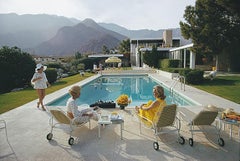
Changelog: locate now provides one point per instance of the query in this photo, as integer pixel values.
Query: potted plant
(123, 101)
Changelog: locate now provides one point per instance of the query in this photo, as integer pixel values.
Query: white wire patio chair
(203, 118)
(58, 116)
(165, 118)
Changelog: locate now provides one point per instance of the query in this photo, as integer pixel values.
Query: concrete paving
(28, 126)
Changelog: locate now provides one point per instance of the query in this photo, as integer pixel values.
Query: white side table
(231, 123)
(120, 121)
(106, 120)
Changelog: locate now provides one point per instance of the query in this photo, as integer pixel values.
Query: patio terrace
(28, 126)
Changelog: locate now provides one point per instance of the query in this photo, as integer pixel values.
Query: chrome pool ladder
(176, 80)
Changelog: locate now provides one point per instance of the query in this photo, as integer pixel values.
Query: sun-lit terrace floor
(28, 126)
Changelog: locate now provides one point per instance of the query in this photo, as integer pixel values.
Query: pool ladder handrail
(177, 79)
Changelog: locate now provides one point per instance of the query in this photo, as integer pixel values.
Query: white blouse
(41, 83)
(78, 114)
(73, 108)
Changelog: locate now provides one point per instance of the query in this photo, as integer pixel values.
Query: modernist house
(168, 46)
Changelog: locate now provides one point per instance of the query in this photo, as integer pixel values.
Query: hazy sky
(131, 14)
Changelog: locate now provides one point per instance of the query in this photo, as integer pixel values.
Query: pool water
(108, 88)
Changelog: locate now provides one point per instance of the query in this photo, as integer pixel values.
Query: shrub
(191, 76)
(184, 71)
(54, 65)
(51, 74)
(194, 77)
(169, 63)
(16, 68)
(174, 63)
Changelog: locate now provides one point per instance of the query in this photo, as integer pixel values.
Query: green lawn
(227, 87)
(224, 86)
(12, 100)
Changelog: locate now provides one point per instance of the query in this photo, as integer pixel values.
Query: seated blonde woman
(152, 107)
(80, 114)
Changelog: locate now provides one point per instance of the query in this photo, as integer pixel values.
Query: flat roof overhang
(158, 49)
(104, 55)
(182, 47)
(150, 40)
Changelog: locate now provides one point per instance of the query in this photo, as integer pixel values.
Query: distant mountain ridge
(144, 33)
(56, 35)
(87, 36)
(27, 31)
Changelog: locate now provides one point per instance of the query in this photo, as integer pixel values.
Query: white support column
(175, 54)
(137, 56)
(178, 54)
(184, 58)
(192, 60)
(137, 59)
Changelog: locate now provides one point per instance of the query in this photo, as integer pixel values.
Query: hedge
(169, 63)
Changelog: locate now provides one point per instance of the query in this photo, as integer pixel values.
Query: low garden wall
(167, 74)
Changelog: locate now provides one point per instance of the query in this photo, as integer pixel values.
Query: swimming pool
(108, 88)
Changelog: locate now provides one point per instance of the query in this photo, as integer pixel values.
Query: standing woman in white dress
(40, 83)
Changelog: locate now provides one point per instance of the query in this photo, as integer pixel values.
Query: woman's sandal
(43, 108)
(38, 103)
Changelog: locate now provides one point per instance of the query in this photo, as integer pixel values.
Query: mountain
(87, 36)
(29, 30)
(43, 34)
(144, 33)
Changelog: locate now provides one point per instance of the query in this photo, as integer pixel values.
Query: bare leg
(41, 94)
(137, 109)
